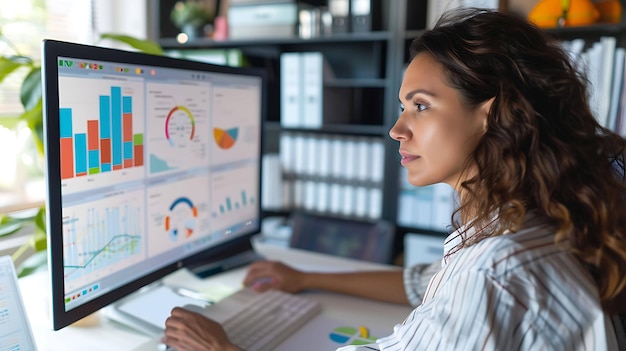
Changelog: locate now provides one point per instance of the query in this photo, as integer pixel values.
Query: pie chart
(350, 336)
(225, 138)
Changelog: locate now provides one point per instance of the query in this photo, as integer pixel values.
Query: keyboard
(268, 319)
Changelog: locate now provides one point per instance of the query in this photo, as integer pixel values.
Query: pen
(364, 332)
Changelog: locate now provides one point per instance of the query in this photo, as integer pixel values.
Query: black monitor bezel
(51, 51)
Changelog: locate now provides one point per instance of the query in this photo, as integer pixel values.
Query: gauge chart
(178, 133)
(180, 127)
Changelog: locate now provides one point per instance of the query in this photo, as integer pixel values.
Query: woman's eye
(420, 107)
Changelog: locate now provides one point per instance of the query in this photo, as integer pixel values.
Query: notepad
(15, 331)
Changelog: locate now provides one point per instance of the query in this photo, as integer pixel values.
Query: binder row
(427, 207)
(355, 15)
(327, 174)
(302, 76)
(602, 62)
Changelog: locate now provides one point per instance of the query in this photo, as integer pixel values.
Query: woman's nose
(398, 131)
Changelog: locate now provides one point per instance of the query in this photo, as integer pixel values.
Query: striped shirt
(511, 292)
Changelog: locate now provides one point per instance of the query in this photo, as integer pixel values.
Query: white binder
(290, 89)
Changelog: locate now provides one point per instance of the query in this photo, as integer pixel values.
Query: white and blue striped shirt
(511, 292)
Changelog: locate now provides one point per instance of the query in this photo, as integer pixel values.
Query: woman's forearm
(378, 285)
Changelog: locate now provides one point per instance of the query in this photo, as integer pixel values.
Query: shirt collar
(453, 242)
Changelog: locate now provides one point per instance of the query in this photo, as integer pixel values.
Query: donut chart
(182, 219)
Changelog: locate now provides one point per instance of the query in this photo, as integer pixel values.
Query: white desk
(99, 333)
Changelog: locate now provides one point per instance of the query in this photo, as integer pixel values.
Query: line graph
(105, 237)
(117, 244)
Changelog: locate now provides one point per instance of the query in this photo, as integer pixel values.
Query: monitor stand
(203, 270)
(147, 309)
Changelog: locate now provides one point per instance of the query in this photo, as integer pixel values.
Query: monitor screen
(151, 163)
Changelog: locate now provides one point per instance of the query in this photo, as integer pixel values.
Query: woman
(493, 107)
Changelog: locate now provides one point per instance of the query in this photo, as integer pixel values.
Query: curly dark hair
(543, 149)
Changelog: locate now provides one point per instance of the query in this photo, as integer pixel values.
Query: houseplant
(190, 16)
(32, 118)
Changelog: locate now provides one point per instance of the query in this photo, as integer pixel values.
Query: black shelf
(345, 129)
(583, 31)
(206, 43)
(356, 83)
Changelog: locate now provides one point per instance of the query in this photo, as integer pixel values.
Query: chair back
(351, 238)
(619, 323)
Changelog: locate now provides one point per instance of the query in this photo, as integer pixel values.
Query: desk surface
(97, 332)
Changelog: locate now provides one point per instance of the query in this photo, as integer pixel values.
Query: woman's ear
(484, 110)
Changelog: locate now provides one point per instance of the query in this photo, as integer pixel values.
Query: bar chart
(233, 200)
(101, 131)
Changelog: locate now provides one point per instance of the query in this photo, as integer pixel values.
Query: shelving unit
(371, 63)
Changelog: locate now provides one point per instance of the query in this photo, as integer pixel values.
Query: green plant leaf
(10, 228)
(34, 121)
(10, 122)
(40, 219)
(146, 46)
(30, 94)
(38, 241)
(12, 223)
(33, 264)
(7, 66)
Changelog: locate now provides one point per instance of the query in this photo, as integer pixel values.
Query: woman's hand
(265, 275)
(189, 331)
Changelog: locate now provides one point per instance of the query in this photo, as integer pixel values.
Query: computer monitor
(152, 163)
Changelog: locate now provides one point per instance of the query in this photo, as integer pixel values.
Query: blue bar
(105, 167)
(243, 198)
(94, 158)
(127, 104)
(221, 208)
(228, 206)
(128, 150)
(80, 151)
(105, 117)
(116, 125)
(65, 121)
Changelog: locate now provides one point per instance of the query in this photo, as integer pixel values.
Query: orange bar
(116, 167)
(105, 150)
(67, 158)
(138, 155)
(128, 126)
(128, 163)
(92, 135)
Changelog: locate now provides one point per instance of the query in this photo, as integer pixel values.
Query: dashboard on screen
(151, 161)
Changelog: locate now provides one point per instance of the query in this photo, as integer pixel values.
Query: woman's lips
(407, 157)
